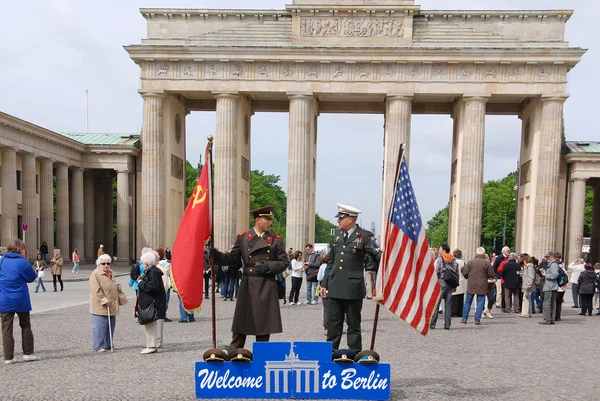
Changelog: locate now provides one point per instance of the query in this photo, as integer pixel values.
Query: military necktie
(345, 236)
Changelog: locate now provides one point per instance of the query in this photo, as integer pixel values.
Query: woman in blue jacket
(15, 273)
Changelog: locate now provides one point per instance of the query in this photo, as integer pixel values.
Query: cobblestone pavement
(508, 358)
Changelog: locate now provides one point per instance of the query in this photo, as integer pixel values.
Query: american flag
(406, 282)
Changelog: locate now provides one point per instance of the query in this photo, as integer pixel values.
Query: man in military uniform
(263, 256)
(344, 284)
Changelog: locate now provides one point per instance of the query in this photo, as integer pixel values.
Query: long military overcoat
(345, 273)
(257, 306)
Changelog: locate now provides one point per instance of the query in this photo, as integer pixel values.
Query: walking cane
(109, 328)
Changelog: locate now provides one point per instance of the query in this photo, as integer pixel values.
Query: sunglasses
(105, 263)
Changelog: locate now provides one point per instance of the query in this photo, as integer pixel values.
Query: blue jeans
(76, 267)
(40, 282)
(534, 301)
(478, 309)
(183, 315)
(168, 298)
(100, 331)
(311, 287)
(228, 287)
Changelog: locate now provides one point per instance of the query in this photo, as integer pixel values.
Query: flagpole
(211, 242)
(376, 319)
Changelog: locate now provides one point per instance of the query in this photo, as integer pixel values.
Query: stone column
(226, 170)
(546, 190)
(576, 217)
(47, 205)
(398, 115)
(107, 184)
(88, 218)
(298, 207)
(77, 214)
(153, 171)
(595, 237)
(470, 178)
(123, 235)
(30, 205)
(9, 195)
(62, 210)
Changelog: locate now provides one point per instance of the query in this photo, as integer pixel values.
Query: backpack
(450, 275)
(538, 277)
(134, 272)
(562, 278)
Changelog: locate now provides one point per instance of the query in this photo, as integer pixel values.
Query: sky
(51, 51)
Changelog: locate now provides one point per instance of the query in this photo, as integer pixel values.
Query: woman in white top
(575, 269)
(297, 272)
(458, 296)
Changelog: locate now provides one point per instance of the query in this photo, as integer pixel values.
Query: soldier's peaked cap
(215, 355)
(343, 355)
(240, 355)
(367, 356)
(345, 210)
(265, 212)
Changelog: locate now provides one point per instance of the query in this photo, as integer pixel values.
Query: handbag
(41, 274)
(312, 277)
(122, 298)
(147, 315)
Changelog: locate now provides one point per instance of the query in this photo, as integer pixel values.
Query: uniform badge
(269, 240)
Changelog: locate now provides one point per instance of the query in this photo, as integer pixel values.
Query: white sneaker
(313, 303)
(306, 303)
(10, 361)
(489, 315)
(149, 351)
(29, 358)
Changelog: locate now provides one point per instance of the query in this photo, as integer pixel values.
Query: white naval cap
(345, 210)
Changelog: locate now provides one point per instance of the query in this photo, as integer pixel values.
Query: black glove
(263, 269)
(212, 251)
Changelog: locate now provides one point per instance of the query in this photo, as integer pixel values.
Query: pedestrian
(104, 304)
(458, 296)
(262, 255)
(230, 274)
(297, 271)
(168, 254)
(311, 268)
(57, 266)
(320, 277)
(371, 268)
(133, 282)
(575, 269)
(75, 260)
(151, 292)
(528, 286)
(442, 263)
(510, 275)
(550, 274)
(15, 273)
(39, 265)
(44, 251)
(479, 273)
(587, 286)
(596, 304)
(100, 250)
(207, 273)
(560, 293)
(165, 267)
(499, 262)
(343, 283)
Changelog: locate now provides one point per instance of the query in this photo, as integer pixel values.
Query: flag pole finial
(210, 138)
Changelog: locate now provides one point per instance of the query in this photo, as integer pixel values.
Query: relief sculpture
(351, 27)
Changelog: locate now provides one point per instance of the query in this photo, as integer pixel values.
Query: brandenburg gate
(352, 56)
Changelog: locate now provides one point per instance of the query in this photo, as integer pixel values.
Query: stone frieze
(351, 27)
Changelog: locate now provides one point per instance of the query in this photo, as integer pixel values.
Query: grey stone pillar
(153, 171)
(98, 212)
(78, 213)
(226, 170)
(595, 238)
(88, 217)
(298, 200)
(546, 190)
(398, 116)
(576, 217)
(62, 210)
(31, 210)
(471, 175)
(123, 234)
(107, 184)
(47, 205)
(9, 195)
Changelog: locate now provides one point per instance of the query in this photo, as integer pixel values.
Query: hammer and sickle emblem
(199, 196)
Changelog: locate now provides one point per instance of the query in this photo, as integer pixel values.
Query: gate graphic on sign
(303, 369)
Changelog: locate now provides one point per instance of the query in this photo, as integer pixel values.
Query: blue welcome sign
(293, 370)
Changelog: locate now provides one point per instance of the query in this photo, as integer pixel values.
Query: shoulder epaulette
(242, 234)
(277, 236)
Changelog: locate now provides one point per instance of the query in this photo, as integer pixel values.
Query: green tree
(191, 177)
(264, 191)
(589, 201)
(437, 228)
(323, 229)
(499, 209)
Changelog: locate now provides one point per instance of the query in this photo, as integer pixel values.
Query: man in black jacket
(311, 268)
(511, 273)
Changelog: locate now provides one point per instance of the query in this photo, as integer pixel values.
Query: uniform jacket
(15, 273)
(152, 289)
(257, 306)
(587, 282)
(478, 271)
(102, 289)
(344, 275)
(57, 265)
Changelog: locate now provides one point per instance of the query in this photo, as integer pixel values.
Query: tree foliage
(191, 178)
(589, 201)
(264, 191)
(437, 228)
(499, 213)
(323, 230)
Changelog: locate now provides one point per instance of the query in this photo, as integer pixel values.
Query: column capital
(123, 170)
(300, 95)
(561, 98)
(45, 160)
(467, 98)
(151, 94)
(61, 165)
(77, 168)
(226, 95)
(8, 149)
(400, 96)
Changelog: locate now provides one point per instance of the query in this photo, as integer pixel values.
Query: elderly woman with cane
(104, 304)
